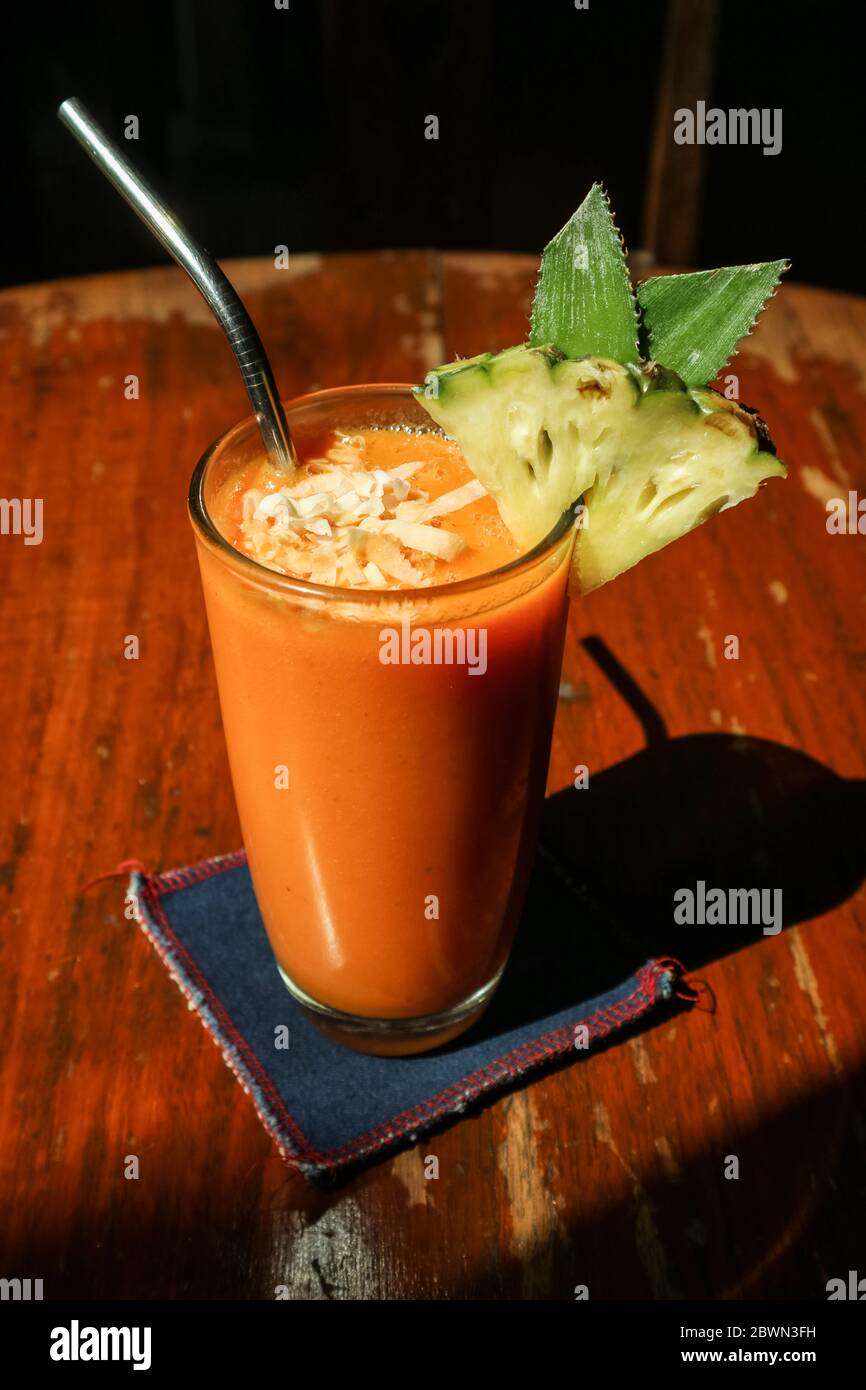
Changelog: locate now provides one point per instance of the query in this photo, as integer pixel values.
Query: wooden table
(610, 1172)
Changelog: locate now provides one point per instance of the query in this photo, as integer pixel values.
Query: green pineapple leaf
(692, 323)
(584, 302)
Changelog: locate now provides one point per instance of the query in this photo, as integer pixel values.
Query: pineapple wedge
(650, 457)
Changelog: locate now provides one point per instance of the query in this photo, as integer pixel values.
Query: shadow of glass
(729, 810)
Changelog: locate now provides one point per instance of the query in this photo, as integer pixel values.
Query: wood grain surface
(609, 1172)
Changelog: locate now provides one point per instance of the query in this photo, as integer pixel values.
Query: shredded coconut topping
(353, 526)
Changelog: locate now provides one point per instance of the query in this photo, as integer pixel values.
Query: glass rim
(304, 588)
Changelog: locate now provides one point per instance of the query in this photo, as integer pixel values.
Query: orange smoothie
(388, 666)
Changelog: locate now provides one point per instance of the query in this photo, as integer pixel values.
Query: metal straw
(204, 273)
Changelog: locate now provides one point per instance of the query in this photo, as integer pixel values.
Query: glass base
(393, 1037)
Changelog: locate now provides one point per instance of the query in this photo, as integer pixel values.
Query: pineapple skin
(650, 457)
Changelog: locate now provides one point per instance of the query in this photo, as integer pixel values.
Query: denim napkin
(327, 1107)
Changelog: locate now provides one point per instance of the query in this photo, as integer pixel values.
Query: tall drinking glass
(389, 803)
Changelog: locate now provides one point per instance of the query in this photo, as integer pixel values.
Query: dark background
(306, 127)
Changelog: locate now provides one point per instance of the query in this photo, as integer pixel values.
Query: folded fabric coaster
(327, 1107)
